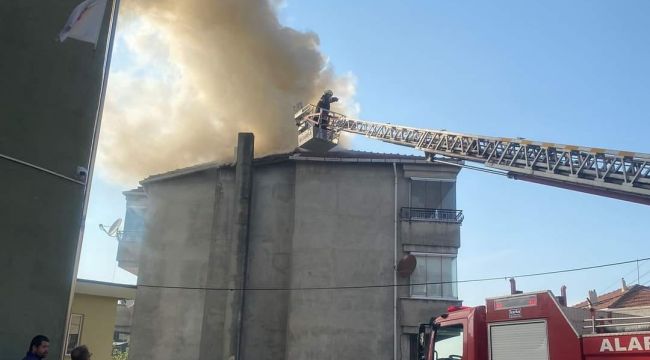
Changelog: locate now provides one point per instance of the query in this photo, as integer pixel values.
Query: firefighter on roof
(323, 107)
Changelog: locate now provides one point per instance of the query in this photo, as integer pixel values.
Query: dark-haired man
(80, 353)
(38, 348)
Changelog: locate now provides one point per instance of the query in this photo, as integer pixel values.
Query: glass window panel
(135, 218)
(449, 342)
(434, 269)
(454, 277)
(448, 195)
(418, 194)
(419, 276)
(447, 277)
(433, 194)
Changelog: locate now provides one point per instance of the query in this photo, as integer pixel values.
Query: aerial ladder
(623, 175)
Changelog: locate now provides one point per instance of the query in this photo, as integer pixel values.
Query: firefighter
(323, 107)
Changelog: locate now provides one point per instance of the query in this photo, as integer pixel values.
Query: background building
(93, 316)
(123, 321)
(130, 239)
(49, 101)
(322, 221)
(633, 300)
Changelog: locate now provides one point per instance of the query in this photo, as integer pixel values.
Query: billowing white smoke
(199, 72)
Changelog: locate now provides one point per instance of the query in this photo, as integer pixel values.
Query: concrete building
(313, 237)
(92, 319)
(123, 321)
(130, 239)
(49, 101)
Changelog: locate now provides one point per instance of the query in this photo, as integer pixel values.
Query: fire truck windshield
(449, 343)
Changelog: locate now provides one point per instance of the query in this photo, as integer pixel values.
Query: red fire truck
(533, 326)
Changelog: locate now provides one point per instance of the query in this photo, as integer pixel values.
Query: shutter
(519, 341)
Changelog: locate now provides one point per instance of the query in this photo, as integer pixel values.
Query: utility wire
(616, 282)
(643, 275)
(349, 287)
(646, 283)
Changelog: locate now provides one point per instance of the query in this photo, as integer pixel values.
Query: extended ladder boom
(618, 174)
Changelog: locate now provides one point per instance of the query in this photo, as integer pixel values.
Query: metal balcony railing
(433, 215)
(618, 324)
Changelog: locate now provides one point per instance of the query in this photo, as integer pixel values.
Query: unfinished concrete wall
(215, 300)
(238, 256)
(269, 262)
(175, 252)
(48, 104)
(343, 236)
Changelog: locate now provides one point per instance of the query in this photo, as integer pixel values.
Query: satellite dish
(113, 229)
(406, 265)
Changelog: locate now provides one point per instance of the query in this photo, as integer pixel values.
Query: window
(120, 336)
(434, 276)
(449, 342)
(433, 194)
(74, 332)
(134, 218)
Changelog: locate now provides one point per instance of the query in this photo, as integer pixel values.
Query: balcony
(432, 215)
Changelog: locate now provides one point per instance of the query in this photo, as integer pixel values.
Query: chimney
(562, 299)
(513, 287)
(623, 285)
(593, 297)
(236, 270)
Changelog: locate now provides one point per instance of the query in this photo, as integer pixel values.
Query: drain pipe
(395, 339)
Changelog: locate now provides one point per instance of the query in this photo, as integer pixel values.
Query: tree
(120, 355)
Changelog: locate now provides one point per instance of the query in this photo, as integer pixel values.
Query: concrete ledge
(430, 233)
(100, 288)
(414, 311)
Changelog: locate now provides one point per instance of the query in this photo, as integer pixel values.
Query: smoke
(193, 73)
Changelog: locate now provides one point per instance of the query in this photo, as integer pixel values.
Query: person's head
(40, 346)
(80, 353)
(329, 93)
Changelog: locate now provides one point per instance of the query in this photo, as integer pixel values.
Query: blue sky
(569, 72)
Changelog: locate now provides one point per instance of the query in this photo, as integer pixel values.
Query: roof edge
(105, 289)
(347, 156)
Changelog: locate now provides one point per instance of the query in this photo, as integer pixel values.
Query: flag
(85, 22)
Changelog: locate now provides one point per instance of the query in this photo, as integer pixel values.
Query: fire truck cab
(533, 326)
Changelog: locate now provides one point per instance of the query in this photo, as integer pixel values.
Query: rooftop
(300, 155)
(633, 296)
